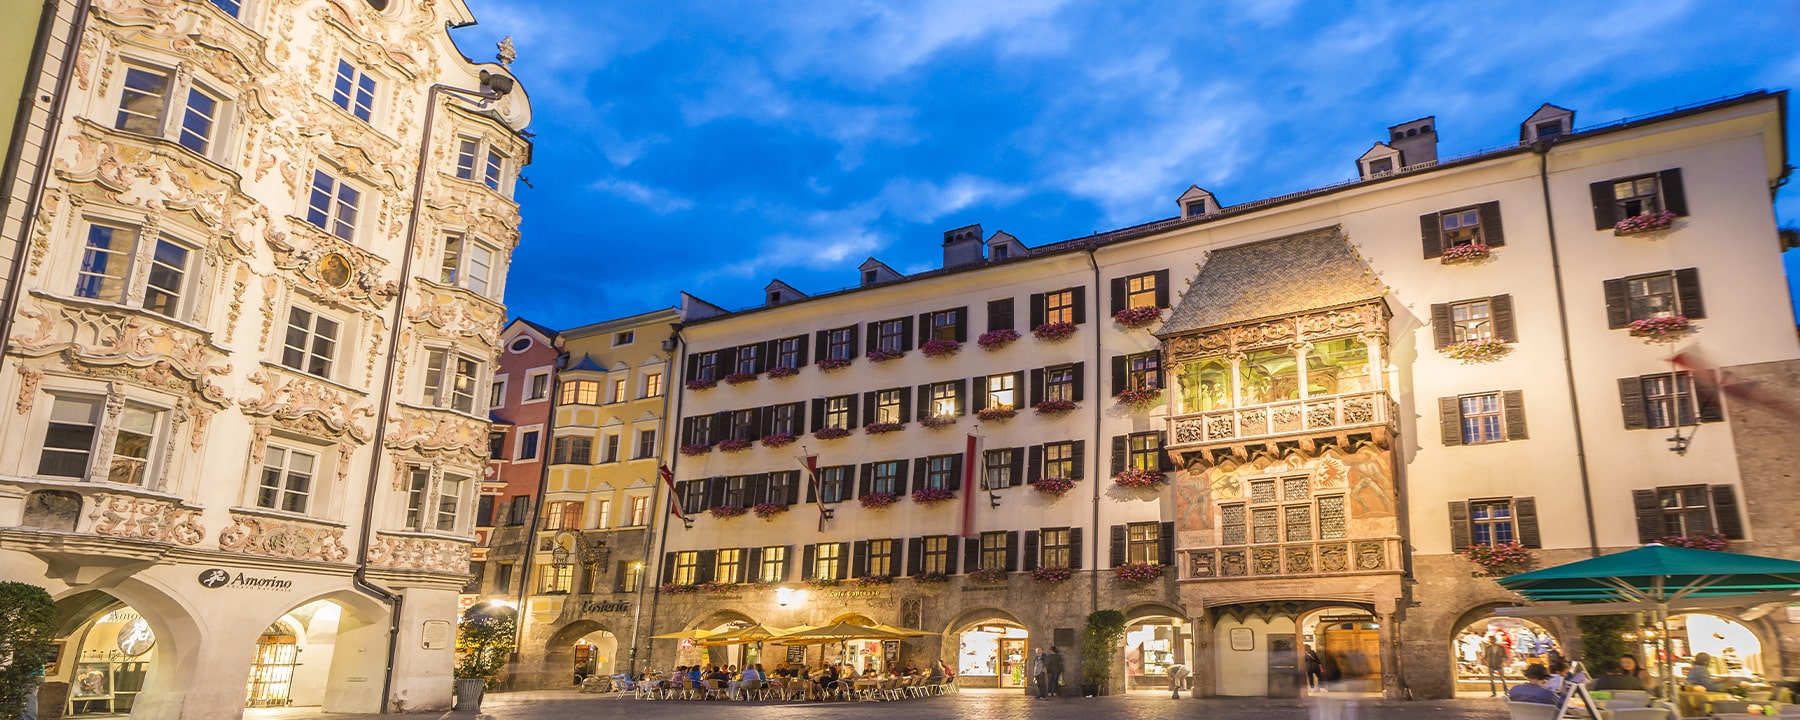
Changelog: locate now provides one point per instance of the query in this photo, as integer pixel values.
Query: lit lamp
(789, 596)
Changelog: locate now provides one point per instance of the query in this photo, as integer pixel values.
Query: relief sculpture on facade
(286, 540)
(419, 553)
(307, 406)
(136, 518)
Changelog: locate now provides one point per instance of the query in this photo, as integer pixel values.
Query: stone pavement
(967, 705)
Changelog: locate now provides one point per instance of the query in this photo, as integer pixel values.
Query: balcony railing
(1325, 557)
(1332, 412)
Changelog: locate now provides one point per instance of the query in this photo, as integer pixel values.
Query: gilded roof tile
(1271, 278)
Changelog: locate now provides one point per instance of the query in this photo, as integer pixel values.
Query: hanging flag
(971, 451)
(1711, 380)
(811, 463)
(668, 477)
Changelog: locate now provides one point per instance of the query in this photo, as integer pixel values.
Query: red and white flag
(811, 463)
(668, 477)
(971, 482)
(1710, 380)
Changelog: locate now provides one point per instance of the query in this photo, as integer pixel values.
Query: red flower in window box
(1138, 572)
(831, 363)
(878, 500)
(940, 348)
(995, 339)
(1501, 558)
(935, 422)
(1055, 408)
(696, 449)
(1698, 541)
(702, 384)
(673, 589)
(732, 445)
(932, 496)
(1479, 350)
(1052, 574)
(989, 575)
(781, 371)
(1140, 398)
(1054, 332)
(739, 378)
(880, 355)
(874, 580)
(777, 440)
(1140, 478)
(997, 413)
(768, 510)
(1469, 253)
(820, 583)
(883, 428)
(727, 511)
(1661, 329)
(1646, 223)
(1137, 317)
(1054, 486)
(831, 433)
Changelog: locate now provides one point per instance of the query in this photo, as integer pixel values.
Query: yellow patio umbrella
(909, 632)
(741, 636)
(837, 632)
(694, 634)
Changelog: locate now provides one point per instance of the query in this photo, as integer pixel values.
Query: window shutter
(1118, 295)
(915, 555)
(1119, 372)
(1706, 395)
(693, 366)
(1165, 544)
(906, 402)
(896, 554)
(920, 466)
(1491, 233)
(869, 407)
(1631, 403)
(715, 493)
(1037, 385)
(709, 563)
(924, 327)
(1036, 471)
(962, 324)
(1031, 550)
(1674, 197)
(956, 470)
(1606, 213)
(859, 559)
(1080, 380)
(818, 414)
(1080, 297)
(812, 491)
(1016, 470)
(854, 329)
(1078, 459)
(1442, 333)
(1121, 452)
(850, 414)
(1019, 389)
(751, 566)
(869, 341)
(1450, 420)
(668, 569)
(925, 407)
(1162, 288)
(727, 362)
(1504, 327)
(971, 554)
(821, 344)
(1037, 310)
(1649, 515)
(1164, 461)
(1431, 235)
(687, 430)
(800, 359)
(1459, 525)
(787, 563)
(1513, 403)
(1687, 292)
(1725, 512)
(1012, 551)
(766, 354)
(1618, 303)
(807, 559)
(906, 333)
(1075, 548)
(962, 397)
(1525, 517)
(951, 544)
(721, 426)
(978, 401)
(864, 476)
(765, 420)
(1117, 552)
(1000, 314)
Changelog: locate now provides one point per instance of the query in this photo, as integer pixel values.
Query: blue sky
(711, 146)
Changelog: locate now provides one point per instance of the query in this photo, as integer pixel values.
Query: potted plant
(940, 348)
(732, 445)
(483, 643)
(988, 575)
(1137, 317)
(1646, 223)
(1099, 642)
(1139, 399)
(830, 433)
(1478, 350)
(1054, 486)
(995, 339)
(1471, 253)
(1667, 329)
(1054, 331)
(883, 355)
(769, 509)
(1055, 408)
(1051, 574)
(739, 378)
(932, 495)
(727, 511)
(936, 422)
(1500, 558)
(27, 626)
(832, 363)
(997, 413)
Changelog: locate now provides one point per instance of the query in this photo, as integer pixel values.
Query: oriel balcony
(1326, 414)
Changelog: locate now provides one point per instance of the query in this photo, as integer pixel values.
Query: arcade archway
(321, 653)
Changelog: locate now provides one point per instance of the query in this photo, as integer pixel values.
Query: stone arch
(857, 618)
(344, 635)
(975, 615)
(171, 681)
(719, 617)
(1152, 609)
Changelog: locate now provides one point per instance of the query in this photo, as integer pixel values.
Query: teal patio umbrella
(1658, 578)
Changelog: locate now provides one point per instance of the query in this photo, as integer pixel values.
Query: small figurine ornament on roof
(506, 54)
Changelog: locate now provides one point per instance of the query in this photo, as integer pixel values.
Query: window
(1687, 510)
(1283, 509)
(1460, 227)
(1143, 542)
(354, 90)
(1550, 129)
(640, 510)
(625, 337)
(936, 555)
(837, 412)
(286, 479)
(504, 576)
(1059, 307)
(105, 272)
(572, 450)
(537, 385)
(941, 471)
(580, 392)
(517, 510)
(1491, 522)
(784, 419)
(780, 487)
(1001, 392)
(72, 441)
(888, 407)
(467, 149)
(610, 451)
(417, 487)
(528, 445)
(774, 564)
(231, 7)
(1059, 461)
(687, 567)
(743, 424)
(311, 342)
(144, 102)
(603, 514)
(1054, 547)
(737, 490)
(467, 264)
(497, 394)
(491, 171)
(497, 446)
(834, 484)
(1621, 198)
(787, 352)
(1471, 320)
(881, 557)
(1000, 314)
(618, 391)
(450, 380)
(1381, 166)
(747, 357)
(198, 121)
(997, 469)
(827, 561)
(652, 384)
(646, 444)
(945, 398)
(562, 515)
(449, 501)
(333, 205)
(1001, 251)
(1144, 451)
(884, 477)
(840, 344)
(945, 325)
(1656, 295)
(1482, 418)
(590, 578)
(1668, 400)
(993, 550)
(1636, 196)
(729, 562)
(631, 576)
(1142, 290)
(707, 367)
(699, 430)
(890, 335)
(1059, 383)
(1142, 371)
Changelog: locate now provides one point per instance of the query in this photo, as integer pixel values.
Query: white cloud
(874, 41)
(656, 200)
(816, 252)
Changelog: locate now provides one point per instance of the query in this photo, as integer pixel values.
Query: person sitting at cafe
(718, 673)
(1613, 677)
(1535, 689)
(746, 679)
(1700, 673)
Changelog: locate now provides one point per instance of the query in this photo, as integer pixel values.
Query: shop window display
(996, 651)
(1522, 643)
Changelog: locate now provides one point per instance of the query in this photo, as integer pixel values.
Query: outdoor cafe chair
(744, 688)
(1642, 713)
(1720, 707)
(1531, 711)
(715, 690)
(1628, 699)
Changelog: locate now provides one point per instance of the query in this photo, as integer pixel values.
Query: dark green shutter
(1687, 293)
(1431, 235)
(1725, 512)
(1491, 233)
(1504, 326)
(1031, 550)
(1121, 453)
(1116, 553)
(1075, 548)
(1674, 197)
(1606, 211)
(1443, 332)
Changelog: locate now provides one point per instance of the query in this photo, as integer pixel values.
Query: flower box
(1661, 329)
(930, 578)
(1500, 559)
(732, 445)
(717, 587)
(1698, 541)
(821, 583)
(727, 511)
(1646, 223)
(883, 428)
(702, 384)
(874, 580)
(777, 440)
(768, 510)
(988, 575)
(878, 500)
(1054, 486)
(997, 413)
(782, 371)
(673, 589)
(1472, 252)
(1055, 408)
(940, 348)
(1140, 398)
(740, 378)
(831, 363)
(830, 433)
(1479, 350)
(1138, 572)
(1137, 317)
(1140, 478)
(1054, 332)
(1052, 574)
(935, 422)
(932, 496)
(879, 355)
(696, 449)
(995, 339)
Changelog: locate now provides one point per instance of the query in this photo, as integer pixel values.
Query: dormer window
(775, 297)
(1196, 208)
(1381, 166)
(1553, 128)
(1000, 252)
(868, 277)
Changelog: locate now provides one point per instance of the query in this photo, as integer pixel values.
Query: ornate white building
(263, 257)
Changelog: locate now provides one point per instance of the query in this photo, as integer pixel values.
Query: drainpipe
(1542, 149)
(1094, 576)
(662, 541)
(537, 510)
(360, 579)
(669, 379)
(52, 126)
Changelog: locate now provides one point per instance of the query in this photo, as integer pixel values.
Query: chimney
(1416, 141)
(963, 246)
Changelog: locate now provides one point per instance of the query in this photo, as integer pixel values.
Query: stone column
(1390, 651)
(1205, 660)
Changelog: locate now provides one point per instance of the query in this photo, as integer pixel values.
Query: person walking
(1178, 675)
(1315, 671)
(1053, 670)
(1493, 655)
(1039, 672)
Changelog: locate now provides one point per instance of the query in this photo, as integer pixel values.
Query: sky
(709, 147)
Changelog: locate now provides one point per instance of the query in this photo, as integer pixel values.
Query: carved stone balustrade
(414, 552)
(1331, 413)
(1325, 557)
